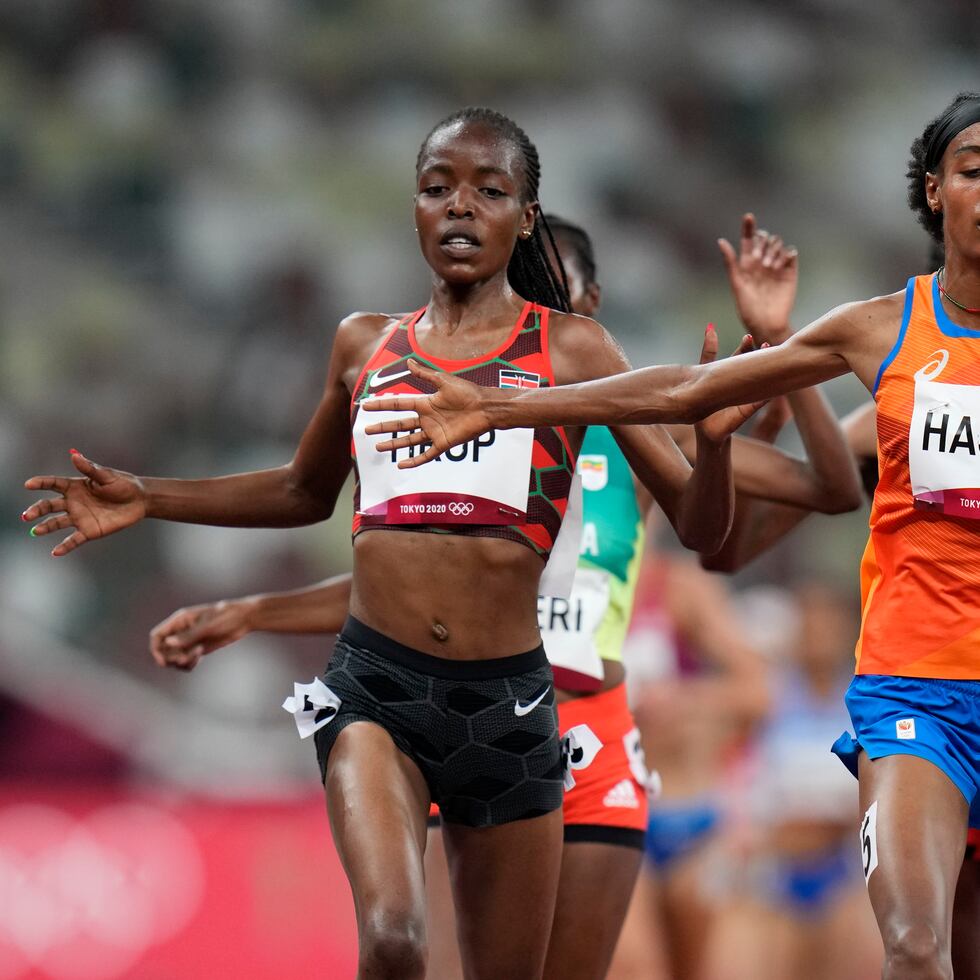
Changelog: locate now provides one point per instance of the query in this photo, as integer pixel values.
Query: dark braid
(916, 174)
(529, 272)
(577, 238)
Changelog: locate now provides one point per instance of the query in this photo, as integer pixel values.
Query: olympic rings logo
(460, 509)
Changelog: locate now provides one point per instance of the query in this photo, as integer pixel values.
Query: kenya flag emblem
(519, 379)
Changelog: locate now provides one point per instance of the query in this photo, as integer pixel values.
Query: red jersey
(521, 361)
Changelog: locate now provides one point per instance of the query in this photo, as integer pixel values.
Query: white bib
(484, 481)
(568, 626)
(944, 454)
(560, 568)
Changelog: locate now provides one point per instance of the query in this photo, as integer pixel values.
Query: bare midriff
(446, 595)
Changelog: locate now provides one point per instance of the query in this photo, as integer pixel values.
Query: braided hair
(529, 272)
(577, 238)
(920, 165)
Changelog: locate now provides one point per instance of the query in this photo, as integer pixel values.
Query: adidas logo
(622, 794)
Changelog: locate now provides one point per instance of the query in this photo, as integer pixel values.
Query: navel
(440, 632)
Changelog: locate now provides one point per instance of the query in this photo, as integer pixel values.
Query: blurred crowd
(192, 195)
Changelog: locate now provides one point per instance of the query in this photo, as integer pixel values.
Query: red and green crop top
(476, 489)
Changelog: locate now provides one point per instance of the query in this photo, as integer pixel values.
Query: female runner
(760, 524)
(914, 702)
(432, 693)
(605, 814)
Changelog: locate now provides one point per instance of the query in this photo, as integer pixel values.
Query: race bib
(568, 628)
(944, 464)
(484, 481)
(559, 571)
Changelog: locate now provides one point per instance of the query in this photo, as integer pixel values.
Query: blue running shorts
(937, 720)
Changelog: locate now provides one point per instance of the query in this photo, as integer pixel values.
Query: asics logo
(377, 379)
(460, 509)
(523, 709)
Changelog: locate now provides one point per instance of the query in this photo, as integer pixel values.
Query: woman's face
(583, 295)
(468, 207)
(955, 189)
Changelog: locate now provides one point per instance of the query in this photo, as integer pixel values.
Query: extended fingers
(57, 523)
(405, 424)
(59, 483)
(773, 249)
(744, 345)
(437, 378)
(414, 438)
(748, 230)
(419, 458)
(392, 403)
(70, 543)
(709, 347)
(49, 505)
(728, 254)
(96, 473)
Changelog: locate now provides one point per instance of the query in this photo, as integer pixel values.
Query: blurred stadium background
(191, 196)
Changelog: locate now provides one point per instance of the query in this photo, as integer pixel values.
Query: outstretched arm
(191, 633)
(671, 393)
(103, 500)
(698, 502)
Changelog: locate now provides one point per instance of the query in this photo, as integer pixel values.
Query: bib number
(568, 626)
(944, 453)
(484, 481)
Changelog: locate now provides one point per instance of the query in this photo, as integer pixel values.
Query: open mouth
(459, 243)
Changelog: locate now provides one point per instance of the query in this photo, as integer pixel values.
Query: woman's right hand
(451, 415)
(763, 276)
(189, 634)
(98, 503)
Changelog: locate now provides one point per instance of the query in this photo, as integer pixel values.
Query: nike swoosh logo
(522, 709)
(377, 379)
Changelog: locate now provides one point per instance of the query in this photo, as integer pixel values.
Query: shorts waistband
(963, 685)
(606, 709)
(356, 633)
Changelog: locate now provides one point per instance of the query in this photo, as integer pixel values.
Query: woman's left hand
(721, 424)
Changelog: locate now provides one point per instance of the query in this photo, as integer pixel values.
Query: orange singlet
(920, 575)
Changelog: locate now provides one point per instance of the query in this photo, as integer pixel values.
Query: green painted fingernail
(33, 532)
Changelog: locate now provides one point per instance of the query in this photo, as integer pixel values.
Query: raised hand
(721, 424)
(763, 278)
(98, 503)
(189, 634)
(449, 417)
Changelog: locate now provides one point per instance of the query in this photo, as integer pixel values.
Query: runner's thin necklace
(942, 289)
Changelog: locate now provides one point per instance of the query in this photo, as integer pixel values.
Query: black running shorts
(484, 733)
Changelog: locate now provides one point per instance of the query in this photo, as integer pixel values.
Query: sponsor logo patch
(595, 471)
(524, 709)
(377, 379)
(622, 794)
(905, 728)
(519, 379)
